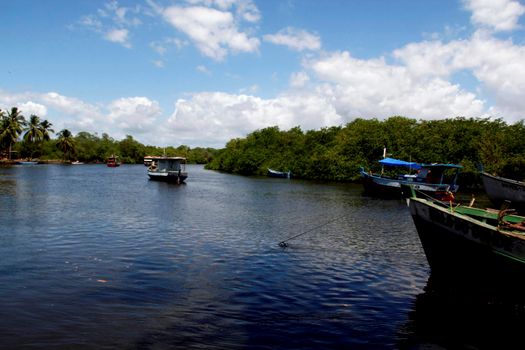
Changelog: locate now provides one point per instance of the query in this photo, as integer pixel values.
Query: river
(103, 258)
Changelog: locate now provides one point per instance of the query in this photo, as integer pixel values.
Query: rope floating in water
(283, 244)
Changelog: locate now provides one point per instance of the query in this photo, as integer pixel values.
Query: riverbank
(15, 161)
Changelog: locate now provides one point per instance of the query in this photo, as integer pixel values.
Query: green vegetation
(336, 153)
(37, 143)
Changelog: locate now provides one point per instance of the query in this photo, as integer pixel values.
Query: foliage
(337, 153)
(66, 143)
(11, 126)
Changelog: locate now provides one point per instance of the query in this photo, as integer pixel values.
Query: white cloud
(295, 39)
(214, 32)
(299, 80)
(245, 9)
(203, 69)
(499, 15)
(497, 64)
(134, 114)
(158, 63)
(373, 88)
(216, 117)
(120, 36)
(29, 108)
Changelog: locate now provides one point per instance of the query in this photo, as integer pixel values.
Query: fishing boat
(113, 161)
(438, 180)
(168, 169)
(500, 189)
(464, 237)
(280, 174)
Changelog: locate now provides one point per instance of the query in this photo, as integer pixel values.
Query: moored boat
(168, 169)
(499, 189)
(279, 174)
(464, 237)
(113, 161)
(29, 162)
(438, 180)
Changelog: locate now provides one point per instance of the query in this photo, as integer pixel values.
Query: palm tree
(66, 143)
(34, 134)
(3, 125)
(32, 129)
(11, 127)
(45, 128)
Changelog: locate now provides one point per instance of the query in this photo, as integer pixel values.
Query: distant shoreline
(48, 161)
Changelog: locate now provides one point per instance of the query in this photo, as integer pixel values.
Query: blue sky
(200, 72)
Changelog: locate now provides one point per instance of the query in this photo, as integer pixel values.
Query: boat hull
(168, 176)
(278, 174)
(500, 189)
(395, 188)
(453, 241)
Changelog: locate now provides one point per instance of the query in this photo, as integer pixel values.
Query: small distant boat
(168, 169)
(461, 236)
(76, 162)
(32, 162)
(438, 180)
(280, 174)
(113, 161)
(500, 189)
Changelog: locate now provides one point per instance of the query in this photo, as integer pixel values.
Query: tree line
(30, 139)
(331, 153)
(337, 153)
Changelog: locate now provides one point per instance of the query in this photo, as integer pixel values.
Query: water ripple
(94, 257)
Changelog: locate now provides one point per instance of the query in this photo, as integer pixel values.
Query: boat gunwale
(463, 216)
(503, 179)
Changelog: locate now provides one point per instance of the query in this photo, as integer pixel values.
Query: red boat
(113, 161)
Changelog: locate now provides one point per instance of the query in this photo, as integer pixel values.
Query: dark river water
(102, 258)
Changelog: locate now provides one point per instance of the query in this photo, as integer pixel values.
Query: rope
(283, 243)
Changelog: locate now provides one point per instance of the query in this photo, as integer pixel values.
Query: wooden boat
(168, 169)
(280, 174)
(113, 161)
(500, 189)
(464, 237)
(438, 180)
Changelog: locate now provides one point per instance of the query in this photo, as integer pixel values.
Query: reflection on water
(459, 311)
(98, 257)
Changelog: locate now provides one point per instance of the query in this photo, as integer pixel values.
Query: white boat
(281, 174)
(168, 169)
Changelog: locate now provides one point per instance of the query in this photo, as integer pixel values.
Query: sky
(201, 72)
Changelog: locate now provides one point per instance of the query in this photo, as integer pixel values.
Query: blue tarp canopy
(397, 162)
